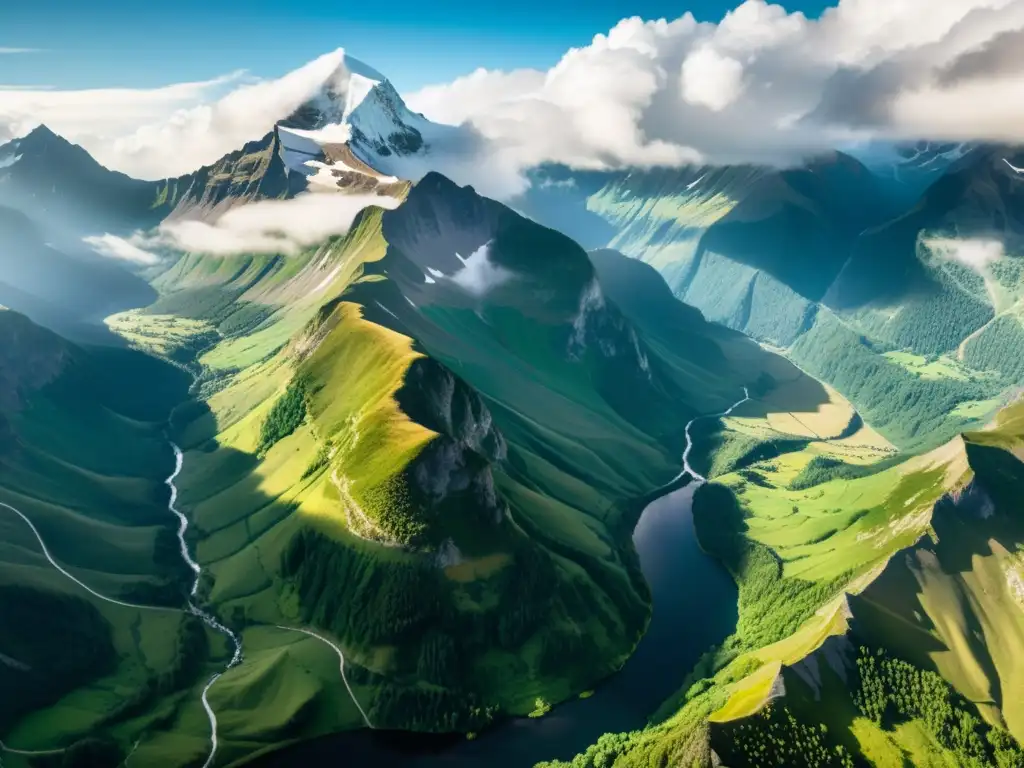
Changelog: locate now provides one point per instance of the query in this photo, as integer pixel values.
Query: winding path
(83, 585)
(87, 588)
(341, 656)
(208, 619)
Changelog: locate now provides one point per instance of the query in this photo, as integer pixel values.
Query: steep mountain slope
(878, 632)
(751, 247)
(814, 261)
(255, 172)
(428, 441)
(82, 462)
(62, 188)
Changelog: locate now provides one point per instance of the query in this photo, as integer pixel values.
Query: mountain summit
(358, 107)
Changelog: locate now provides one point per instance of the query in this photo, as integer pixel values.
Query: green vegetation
(891, 690)
(998, 347)
(39, 665)
(774, 737)
(824, 469)
(910, 410)
(286, 415)
(771, 605)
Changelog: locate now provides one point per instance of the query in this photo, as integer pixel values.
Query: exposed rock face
(439, 400)
(458, 463)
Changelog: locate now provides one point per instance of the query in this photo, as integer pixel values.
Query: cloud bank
(166, 132)
(267, 226)
(478, 274)
(114, 247)
(762, 85)
(976, 254)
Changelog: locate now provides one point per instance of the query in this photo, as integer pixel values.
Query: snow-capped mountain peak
(359, 100)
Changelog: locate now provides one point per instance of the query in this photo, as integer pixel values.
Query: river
(694, 608)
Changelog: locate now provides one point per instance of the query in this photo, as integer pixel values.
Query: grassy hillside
(879, 603)
(426, 441)
(83, 459)
(819, 264)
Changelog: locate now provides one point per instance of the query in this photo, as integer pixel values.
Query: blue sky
(133, 43)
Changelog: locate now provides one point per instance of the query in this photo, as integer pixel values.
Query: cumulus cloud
(267, 226)
(974, 253)
(165, 132)
(762, 85)
(114, 247)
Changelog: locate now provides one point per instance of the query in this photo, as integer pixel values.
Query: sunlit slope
(943, 604)
(916, 303)
(83, 457)
(431, 448)
(833, 550)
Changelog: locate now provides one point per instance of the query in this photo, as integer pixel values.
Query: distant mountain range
(422, 445)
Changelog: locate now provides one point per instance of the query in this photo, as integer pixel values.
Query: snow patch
(429, 280)
(693, 184)
(1014, 168)
(387, 310)
(7, 162)
(437, 272)
(327, 280)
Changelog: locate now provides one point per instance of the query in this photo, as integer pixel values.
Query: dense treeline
(774, 737)
(822, 469)
(998, 348)
(771, 606)
(38, 663)
(438, 627)
(286, 415)
(718, 451)
(939, 322)
(891, 691)
(905, 408)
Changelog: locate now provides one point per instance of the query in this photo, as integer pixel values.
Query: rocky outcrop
(457, 465)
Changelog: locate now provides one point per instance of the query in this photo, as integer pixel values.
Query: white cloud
(479, 274)
(711, 79)
(762, 85)
(170, 131)
(268, 226)
(114, 247)
(4, 51)
(976, 254)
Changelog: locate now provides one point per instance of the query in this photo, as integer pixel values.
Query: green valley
(317, 455)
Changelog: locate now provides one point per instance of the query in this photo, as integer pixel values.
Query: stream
(695, 607)
(207, 619)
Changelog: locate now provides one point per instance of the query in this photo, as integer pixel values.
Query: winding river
(207, 618)
(695, 607)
